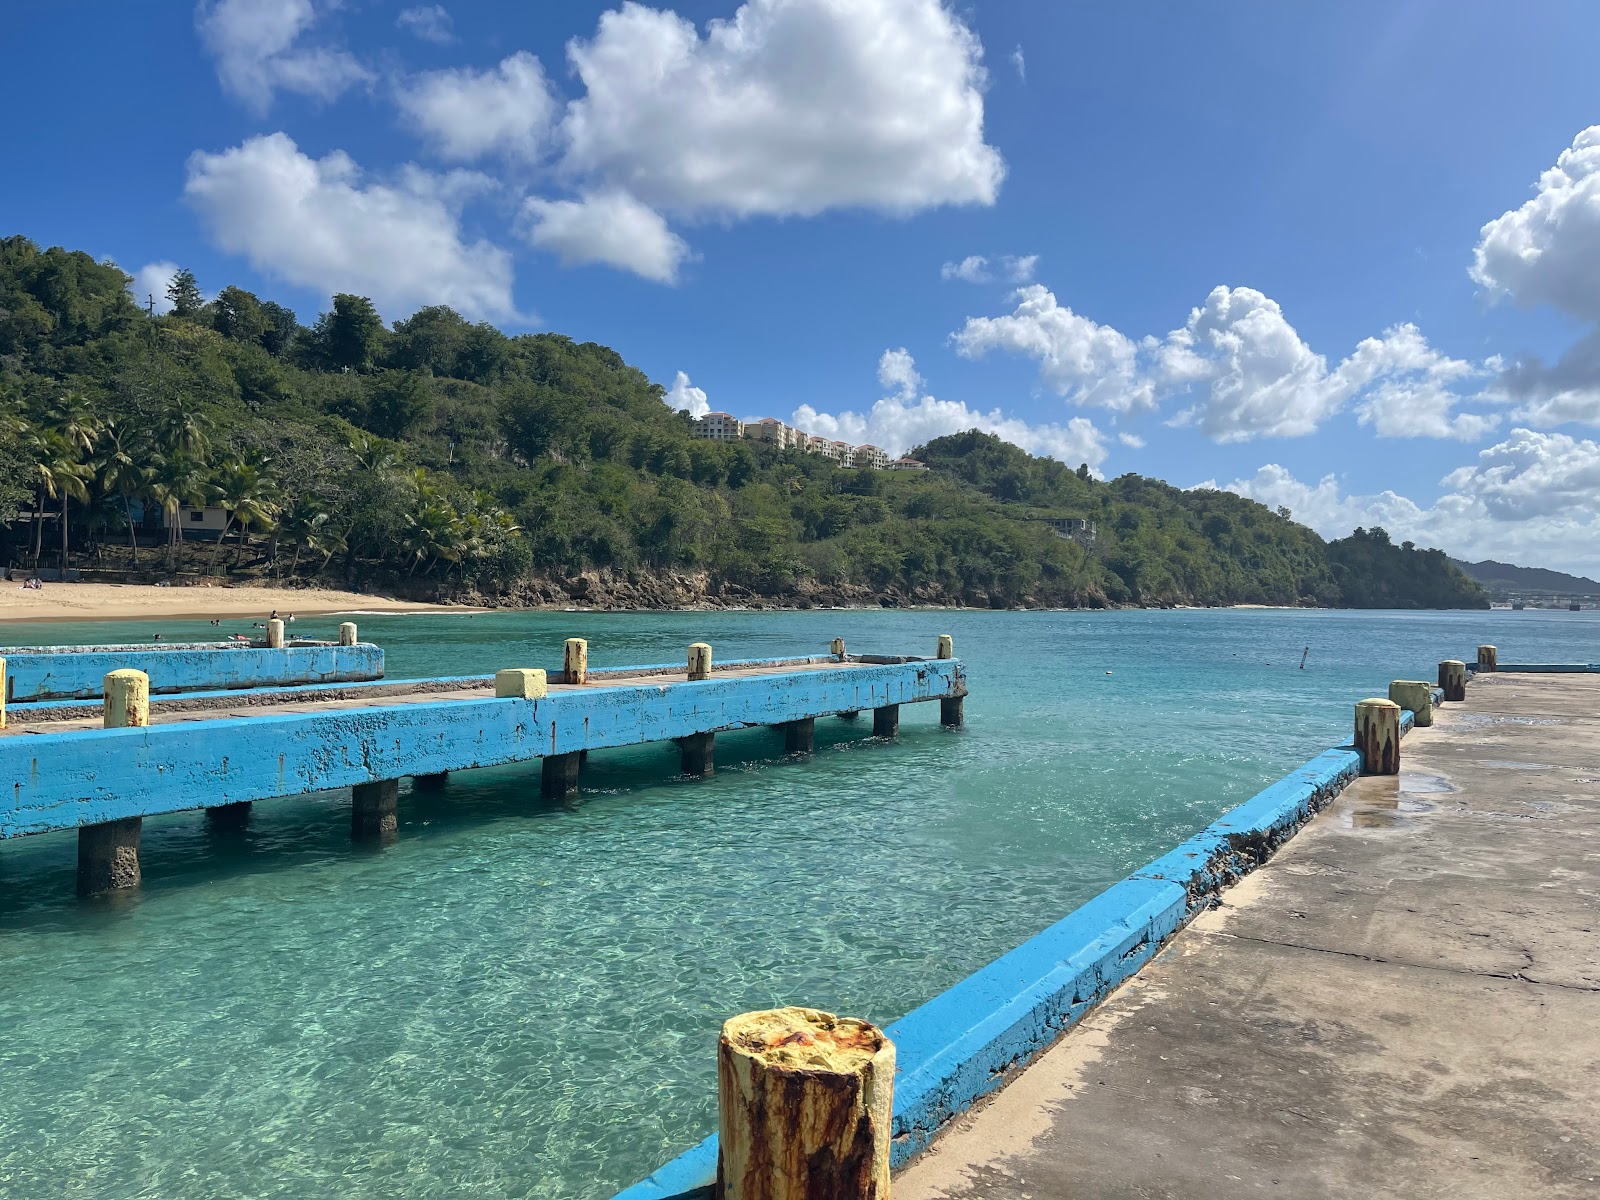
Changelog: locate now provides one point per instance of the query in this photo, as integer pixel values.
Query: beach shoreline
(137, 601)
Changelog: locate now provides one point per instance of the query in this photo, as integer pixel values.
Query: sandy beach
(132, 601)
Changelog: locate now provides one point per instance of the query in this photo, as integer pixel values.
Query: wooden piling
(558, 776)
(800, 737)
(1453, 679)
(347, 633)
(697, 754)
(575, 661)
(521, 683)
(886, 721)
(699, 661)
(1488, 659)
(803, 1107)
(947, 646)
(125, 699)
(375, 811)
(108, 852)
(275, 634)
(1415, 695)
(1378, 736)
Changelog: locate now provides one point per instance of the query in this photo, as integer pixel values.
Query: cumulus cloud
(901, 420)
(430, 22)
(320, 224)
(1019, 64)
(1241, 367)
(152, 279)
(683, 396)
(608, 227)
(1131, 440)
(259, 50)
(976, 268)
(1534, 497)
(466, 114)
(1547, 252)
(1087, 363)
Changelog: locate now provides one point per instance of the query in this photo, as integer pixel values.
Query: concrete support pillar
(700, 661)
(375, 811)
(697, 754)
(430, 783)
(521, 684)
(800, 737)
(1378, 736)
(108, 856)
(1453, 679)
(886, 721)
(347, 633)
(108, 853)
(575, 661)
(836, 648)
(803, 1105)
(229, 816)
(558, 776)
(275, 634)
(1488, 659)
(947, 646)
(950, 712)
(2, 693)
(849, 716)
(1415, 695)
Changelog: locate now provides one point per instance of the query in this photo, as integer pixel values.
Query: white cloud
(901, 420)
(317, 223)
(1132, 440)
(683, 396)
(1547, 252)
(1532, 499)
(1088, 363)
(1020, 64)
(976, 268)
(258, 51)
(466, 114)
(1245, 370)
(607, 227)
(430, 22)
(152, 280)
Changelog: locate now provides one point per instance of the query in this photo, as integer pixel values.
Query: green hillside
(442, 457)
(1503, 579)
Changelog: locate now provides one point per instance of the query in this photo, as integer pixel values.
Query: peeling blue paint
(97, 775)
(35, 673)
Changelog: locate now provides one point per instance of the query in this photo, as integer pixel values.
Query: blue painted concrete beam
(68, 673)
(63, 780)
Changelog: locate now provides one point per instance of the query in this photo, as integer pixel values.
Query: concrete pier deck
(1403, 1002)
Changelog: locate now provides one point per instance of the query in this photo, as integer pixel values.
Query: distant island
(441, 459)
(1505, 582)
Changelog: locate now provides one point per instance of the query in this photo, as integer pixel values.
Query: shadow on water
(188, 851)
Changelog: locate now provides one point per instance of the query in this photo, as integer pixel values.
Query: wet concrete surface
(1405, 1002)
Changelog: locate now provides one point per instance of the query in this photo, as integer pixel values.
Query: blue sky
(1324, 256)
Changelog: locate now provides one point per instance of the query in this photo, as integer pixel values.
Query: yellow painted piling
(1415, 695)
(1488, 659)
(347, 633)
(275, 634)
(1453, 679)
(1378, 736)
(836, 648)
(700, 661)
(575, 662)
(803, 1107)
(947, 646)
(521, 683)
(2, 693)
(126, 699)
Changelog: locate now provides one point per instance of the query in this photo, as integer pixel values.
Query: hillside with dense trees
(442, 457)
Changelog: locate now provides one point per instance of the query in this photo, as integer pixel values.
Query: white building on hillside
(718, 427)
(906, 464)
(871, 456)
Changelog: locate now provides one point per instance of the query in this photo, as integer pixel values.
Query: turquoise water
(521, 999)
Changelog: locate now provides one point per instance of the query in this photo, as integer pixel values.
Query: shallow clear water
(521, 999)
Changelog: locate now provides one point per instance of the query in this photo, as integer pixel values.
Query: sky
(1341, 258)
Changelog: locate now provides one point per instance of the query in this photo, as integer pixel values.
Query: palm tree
(122, 472)
(248, 494)
(61, 476)
(304, 521)
(179, 482)
(183, 430)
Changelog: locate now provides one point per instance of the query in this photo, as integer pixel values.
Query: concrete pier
(800, 737)
(886, 721)
(375, 810)
(1404, 1001)
(108, 856)
(229, 816)
(433, 782)
(558, 775)
(698, 753)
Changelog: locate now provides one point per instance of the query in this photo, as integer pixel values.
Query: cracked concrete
(1405, 1002)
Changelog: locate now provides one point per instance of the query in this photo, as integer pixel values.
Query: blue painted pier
(223, 751)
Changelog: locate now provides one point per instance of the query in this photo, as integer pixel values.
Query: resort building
(772, 431)
(871, 456)
(718, 427)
